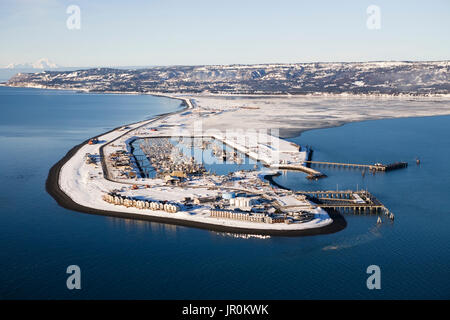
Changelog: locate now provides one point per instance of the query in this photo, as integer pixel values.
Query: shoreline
(285, 133)
(343, 95)
(297, 134)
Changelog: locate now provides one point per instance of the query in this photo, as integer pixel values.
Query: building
(246, 216)
(228, 195)
(171, 179)
(243, 203)
(237, 215)
(199, 200)
(178, 174)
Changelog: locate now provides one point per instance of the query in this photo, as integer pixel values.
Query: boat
(93, 141)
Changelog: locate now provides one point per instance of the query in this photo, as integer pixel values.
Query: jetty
(312, 174)
(348, 201)
(370, 167)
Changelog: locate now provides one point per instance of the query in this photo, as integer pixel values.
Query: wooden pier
(348, 201)
(370, 167)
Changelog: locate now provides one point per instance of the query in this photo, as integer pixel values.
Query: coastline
(286, 132)
(344, 95)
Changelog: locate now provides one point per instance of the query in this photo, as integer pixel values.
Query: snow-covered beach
(293, 114)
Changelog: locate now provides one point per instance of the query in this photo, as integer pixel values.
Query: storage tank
(240, 202)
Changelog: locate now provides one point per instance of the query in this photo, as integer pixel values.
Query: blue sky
(170, 32)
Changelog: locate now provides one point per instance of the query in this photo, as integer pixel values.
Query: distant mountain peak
(43, 63)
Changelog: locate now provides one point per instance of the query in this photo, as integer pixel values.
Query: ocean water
(126, 259)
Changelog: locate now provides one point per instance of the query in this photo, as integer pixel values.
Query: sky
(196, 32)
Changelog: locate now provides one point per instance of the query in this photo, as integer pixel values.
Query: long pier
(372, 167)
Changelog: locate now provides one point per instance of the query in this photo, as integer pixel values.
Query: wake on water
(372, 234)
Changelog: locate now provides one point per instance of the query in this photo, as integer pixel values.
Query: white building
(241, 203)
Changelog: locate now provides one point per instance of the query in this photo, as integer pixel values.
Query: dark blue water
(128, 259)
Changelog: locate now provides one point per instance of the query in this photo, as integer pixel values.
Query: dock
(370, 167)
(312, 174)
(348, 201)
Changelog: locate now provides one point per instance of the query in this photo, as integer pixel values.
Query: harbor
(164, 168)
(214, 180)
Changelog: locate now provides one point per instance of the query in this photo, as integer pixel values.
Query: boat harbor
(216, 178)
(182, 162)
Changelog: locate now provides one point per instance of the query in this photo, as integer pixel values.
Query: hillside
(414, 78)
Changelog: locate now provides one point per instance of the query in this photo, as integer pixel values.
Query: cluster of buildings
(284, 207)
(118, 199)
(121, 161)
(243, 203)
(244, 207)
(247, 198)
(247, 216)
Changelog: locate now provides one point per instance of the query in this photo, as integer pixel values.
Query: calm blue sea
(137, 260)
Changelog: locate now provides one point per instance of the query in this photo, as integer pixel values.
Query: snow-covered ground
(85, 183)
(248, 124)
(292, 115)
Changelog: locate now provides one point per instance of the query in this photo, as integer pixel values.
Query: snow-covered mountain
(420, 78)
(42, 63)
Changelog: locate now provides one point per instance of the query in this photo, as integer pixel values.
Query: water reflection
(242, 235)
(143, 225)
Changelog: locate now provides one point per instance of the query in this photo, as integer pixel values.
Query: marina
(142, 169)
(215, 179)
